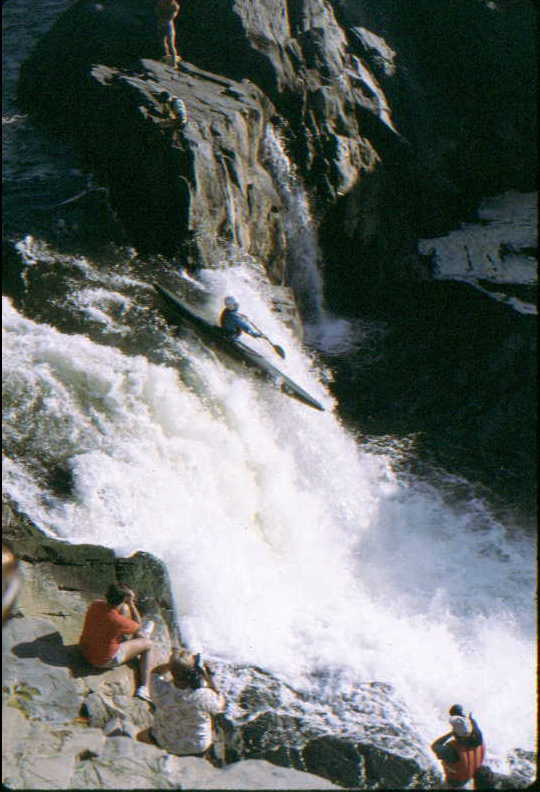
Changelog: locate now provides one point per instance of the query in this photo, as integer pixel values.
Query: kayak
(236, 349)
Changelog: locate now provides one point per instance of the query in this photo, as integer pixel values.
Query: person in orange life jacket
(461, 750)
(234, 323)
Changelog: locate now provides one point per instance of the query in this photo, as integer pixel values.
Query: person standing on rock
(166, 12)
(184, 707)
(461, 750)
(106, 640)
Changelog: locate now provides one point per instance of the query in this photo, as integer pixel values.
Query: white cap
(231, 302)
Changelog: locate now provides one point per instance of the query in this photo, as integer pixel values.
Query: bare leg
(172, 39)
(134, 648)
(164, 32)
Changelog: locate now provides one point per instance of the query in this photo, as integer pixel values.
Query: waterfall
(289, 546)
(322, 331)
(303, 266)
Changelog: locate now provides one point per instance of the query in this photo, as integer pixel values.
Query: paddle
(277, 349)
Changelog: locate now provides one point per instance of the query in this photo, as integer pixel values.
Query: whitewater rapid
(289, 544)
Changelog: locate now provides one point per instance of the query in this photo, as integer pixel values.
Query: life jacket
(469, 761)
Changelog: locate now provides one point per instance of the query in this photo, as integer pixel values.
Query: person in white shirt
(184, 707)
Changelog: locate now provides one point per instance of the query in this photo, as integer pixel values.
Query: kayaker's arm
(247, 327)
(234, 324)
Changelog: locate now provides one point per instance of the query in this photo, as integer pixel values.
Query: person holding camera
(184, 706)
(113, 634)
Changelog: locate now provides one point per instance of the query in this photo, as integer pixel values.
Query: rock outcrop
(361, 739)
(179, 193)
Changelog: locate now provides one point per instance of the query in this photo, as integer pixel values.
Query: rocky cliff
(395, 117)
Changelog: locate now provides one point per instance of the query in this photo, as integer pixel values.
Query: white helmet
(231, 303)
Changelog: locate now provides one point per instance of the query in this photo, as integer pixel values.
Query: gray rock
(249, 774)
(38, 755)
(36, 671)
(376, 47)
(364, 738)
(126, 764)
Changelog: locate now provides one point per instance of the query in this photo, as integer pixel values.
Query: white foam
(288, 546)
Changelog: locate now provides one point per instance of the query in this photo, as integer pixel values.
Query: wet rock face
(210, 183)
(338, 118)
(396, 117)
(176, 191)
(361, 739)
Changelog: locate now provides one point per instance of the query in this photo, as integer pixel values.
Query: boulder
(37, 755)
(126, 764)
(248, 774)
(193, 189)
(36, 674)
(358, 739)
(61, 579)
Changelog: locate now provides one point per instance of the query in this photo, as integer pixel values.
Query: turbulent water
(290, 543)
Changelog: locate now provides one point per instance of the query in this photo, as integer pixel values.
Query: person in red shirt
(106, 640)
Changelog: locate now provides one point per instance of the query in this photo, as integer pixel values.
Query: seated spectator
(461, 750)
(106, 640)
(184, 706)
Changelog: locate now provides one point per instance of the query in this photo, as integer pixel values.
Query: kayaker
(461, 750)
(103, 640)
(234, 323)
